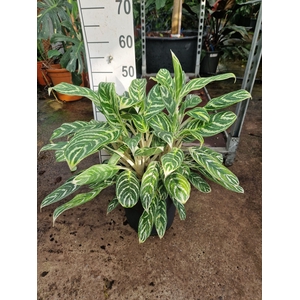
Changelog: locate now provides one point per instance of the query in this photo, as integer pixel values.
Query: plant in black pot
(58, 21)
(148, 135)
(223, 38)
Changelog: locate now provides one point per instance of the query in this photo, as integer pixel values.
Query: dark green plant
(147, 136)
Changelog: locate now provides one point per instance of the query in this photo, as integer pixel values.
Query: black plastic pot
(158, 53)
(209, 63)
(133, 215)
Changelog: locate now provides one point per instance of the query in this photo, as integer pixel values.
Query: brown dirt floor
(216, 253)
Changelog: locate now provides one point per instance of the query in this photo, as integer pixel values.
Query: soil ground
(216, 253)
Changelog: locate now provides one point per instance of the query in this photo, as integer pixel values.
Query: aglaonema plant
(147, 136)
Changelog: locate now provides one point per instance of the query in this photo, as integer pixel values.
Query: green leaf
(172, 161)
(154, 103)
(146, 223)
(199, 113)
(132, 142)
(181, 209)
(164, 135)
(140, 123)
(213, 166)
(96, 173)
(76, 201)
(199, 83)
(148, 151)
(179, 77)
(55, 146)
(60, 193)
(71, 89)
(160, 219)
(219, 122)
(178, 187)
(191, 135)
(126, 102)
(127, 189)
(149, 184)
(160, 122)
(168, 100)
(112, 205)
(137, 90)
(164, 78)
(198, 182)
(227, 100)
(88, 142)
(190, 102)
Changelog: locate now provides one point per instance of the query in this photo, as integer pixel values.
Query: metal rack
(233, 137)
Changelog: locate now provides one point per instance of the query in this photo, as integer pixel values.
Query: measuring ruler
(108, 34)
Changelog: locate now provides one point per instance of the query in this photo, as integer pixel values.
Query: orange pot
(62, 75)
(42, 73)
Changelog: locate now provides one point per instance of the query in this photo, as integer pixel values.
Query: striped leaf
(168, 100)
(126, 102)
(137, 90)
(112, 205)
(60, 193)
(198, 182)
(191, 135)
(88, 142)
(154, 103)
(96, 173)
(190, 102)
(179, 76)
(160, 218)
(213, 166)
(172, 161)
(76, 201)
(132, 142)
(127, 188)
(148, 151)
(55, 146)
(149, 184)
(199, 83)
(146, 223)
(109, 103)
(181, 209)
(227, 100)
(178, 187)
(164, 78)
(75, 90)
(213, 153)
(165, 136)
(140, 123)
(160, 122)
(199, 113)
(219, 122)
(73, 127)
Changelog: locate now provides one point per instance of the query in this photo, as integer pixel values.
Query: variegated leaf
(71, 89)
(96, 173)
(191, 135)
(60, 193)
(126, 102)
(199, 183)
(168, 100)
(178, 187)
(148, 151)
(199, 83)
(73, 127)
(213, 166)
(219, 122)
(227, 100)
(164, 78)
(154, 103)
(181, 209)
(160, 122)
(137, 90)
(109, 103)
(55, 146)
(166, 136)
(146, 223)
(190, 102)
(112, 205)
(149, 184)
(179, 77)
(213, 153)
(160, 218)
(132, 142)
(199, 113)
(172, 161)
(140, 123)
(76, 201)
(127, 188)
(88, 142)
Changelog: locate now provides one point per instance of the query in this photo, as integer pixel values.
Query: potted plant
(58, 21)
(149, 139)
(222, 36)
(170, 25)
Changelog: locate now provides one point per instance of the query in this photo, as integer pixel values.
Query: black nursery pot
(134, 213)
(158, 52)
(209, 63)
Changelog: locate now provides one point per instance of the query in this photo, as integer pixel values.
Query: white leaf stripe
(172, 160)
(160, 219)
(112, 205)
